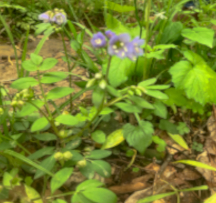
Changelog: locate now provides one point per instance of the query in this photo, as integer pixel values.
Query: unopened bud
(62, 134)
(102, 84)
(138, 92)
(1, 111)
(98, 76)
(90, 82)
(58, 156)
(130, 92)
(82, 163)
(67, 156)
(14, 103)
(20, 103)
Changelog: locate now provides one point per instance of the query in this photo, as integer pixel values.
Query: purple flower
(59, 18)
(110, 34)
(135, 49)
(98, 40)
(46, 17)
(119, 45)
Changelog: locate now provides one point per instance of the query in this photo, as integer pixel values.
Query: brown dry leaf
(128, 188)
(209, 175)
(153, 167)
(159, 201)
(142, 179)
(188, 174)
(169, 171)
(211, 125)
(210, 146)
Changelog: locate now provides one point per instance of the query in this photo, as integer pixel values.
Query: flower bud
(130, 92)
(1, 188)
(20, 103)
(13, 103)
(138, 92)
(102, 84)
(67, 155)
(1, 111)
(62, 134)
(90, 82)
(98, 76)
(65, 113)
(82, 163)
(57, 123)
(58, 156)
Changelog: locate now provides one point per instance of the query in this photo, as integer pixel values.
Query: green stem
(108, 67)
(137, 118)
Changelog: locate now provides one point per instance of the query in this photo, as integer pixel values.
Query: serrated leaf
(160, 109)
(53, 77)
(127, 107)
(113, 139)
(98, 136)
(201, 35)
(48, 63)
(60, 178)
(67, 120)
(39, 124)
(98, 154)
(32, 194)
(59, 92)
(179, 140)
(24, 83)
(140, 137)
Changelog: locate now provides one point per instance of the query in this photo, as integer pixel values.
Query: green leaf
(59, 92)
(164, 46)
(53, 77)
(48, 63)
(80, 198)
(42, 27)
(29, 65)
(59, 201)
(168, 126)
(60, 178)
(113, 139)
(45, 137)
(156, 94)
(160, 109)
(117, 71)
(28, 108)
(179, 140)
(196, 164)
(39, 124)
(158, 87)
(89, 184)
(98, 195)
(28, 161)
(97, 96)
(160, 142)
(156, 54)
(140, 137)
(36, 59)
(98, 154)
(42, 152)
(182, 128)
(24, 83)
(155, 197)
(119, 8)
(67, 120)
(73, 144)
(127, 107)
(47, 164)
(211, 199)
(88, 171)
(98, 136)
(139, 101)
(201, 35)
(32, 194)
(114, 92)
(103, 168)
(148, 82)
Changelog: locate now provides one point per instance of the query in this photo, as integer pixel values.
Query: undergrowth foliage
(148, 69)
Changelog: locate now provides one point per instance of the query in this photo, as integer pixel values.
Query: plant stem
(137, 118)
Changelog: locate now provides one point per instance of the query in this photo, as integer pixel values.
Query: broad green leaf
(98, 154)
(67, 119)
(157, 94)
(160, 142)
(98, 136)
(73, 144)
(140, 137)
(42, 27)
(32, 194)
(155, 197)
(88, 171)
(156, 54)
(196, 164)
(201, 35)
(7, 178)
(117, 7)
(89, 62)
(148, 82)
(160, 109)
(89, 184)
(195, 78)
(29, 65)
(42, 152)
(103, 168)
(183, 128)
(139, 101)
(7, 144)
(98, 195)
(113, 139)
(39, 124)
(45, 137)
(179, 140)
(97, 96)
(24, 83)
(28, 161)
(114, 92)
(48, 63)
(36, 59)
(60, 178)
(47, 164)
(168, 126)
(106, 111)
(29, 108)
(80, 198)
(59, 201)
(59, 92)
(127, 107)
(53, 77)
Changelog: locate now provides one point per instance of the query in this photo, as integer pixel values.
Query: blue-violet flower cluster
(119, 45)
(57, 16)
